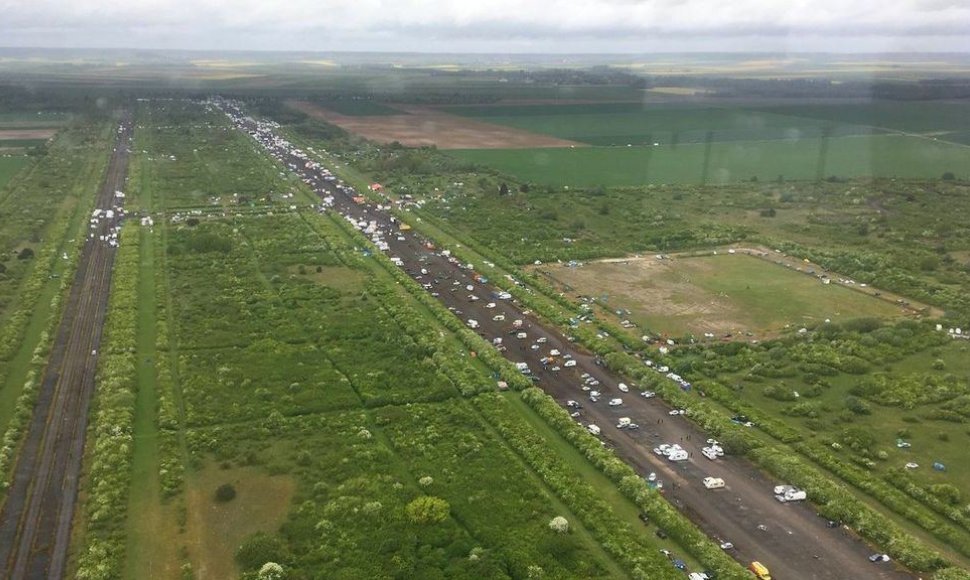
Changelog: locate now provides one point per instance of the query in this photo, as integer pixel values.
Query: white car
(676, 412)
(569, 363)
(554, 352)
(648, 394)
(616, 402)
(490, 305)
(498, 317)
(542, 340)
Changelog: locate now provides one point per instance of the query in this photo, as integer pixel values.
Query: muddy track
(35, 522)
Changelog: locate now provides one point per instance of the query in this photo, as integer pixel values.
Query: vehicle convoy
(523, 331)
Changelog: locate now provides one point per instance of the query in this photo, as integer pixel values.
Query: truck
(787, 493)
(713, 482)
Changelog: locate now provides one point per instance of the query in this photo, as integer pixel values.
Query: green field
(722, 163)
(10, 165)
(619, 124)
(723, 294)
(21, 142)
(33, 120)
(909, 117)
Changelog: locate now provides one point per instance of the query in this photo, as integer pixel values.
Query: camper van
(678, 455)
(713, 482)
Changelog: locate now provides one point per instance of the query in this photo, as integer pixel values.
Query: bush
(559, 524)
(258, 549)
(427, 510)
(225, 493)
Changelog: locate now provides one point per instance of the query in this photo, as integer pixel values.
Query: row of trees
(109, 477)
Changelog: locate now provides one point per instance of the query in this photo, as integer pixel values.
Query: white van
(677, 455)
(713, 482)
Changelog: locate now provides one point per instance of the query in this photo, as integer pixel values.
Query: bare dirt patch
(742, 295)
(26, 134)
(423, 126)
(216, 530)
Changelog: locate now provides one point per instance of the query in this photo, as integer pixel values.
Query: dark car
(661, 534)
(644, 518)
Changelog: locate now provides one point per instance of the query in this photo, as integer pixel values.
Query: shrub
(427, 510)
(225, 493)
(559, 524)
(259, 549)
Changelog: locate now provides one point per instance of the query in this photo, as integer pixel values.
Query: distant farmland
(687, 143)
(730, 162)
(636, 124)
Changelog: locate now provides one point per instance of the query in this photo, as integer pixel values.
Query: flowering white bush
(559, 525)
(271, 571)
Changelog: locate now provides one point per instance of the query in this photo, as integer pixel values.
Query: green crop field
(10, 165)
(908, 117)
(723, 294)
(721, 163)
(33, 120)
(20, 143)
(619, 124)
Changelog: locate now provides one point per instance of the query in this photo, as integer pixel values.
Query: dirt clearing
(726, 294)
(420, 126)
(26, 134)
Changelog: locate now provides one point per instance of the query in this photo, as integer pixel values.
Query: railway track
(35, 520)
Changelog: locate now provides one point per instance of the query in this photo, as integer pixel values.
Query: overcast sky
(493, 25)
